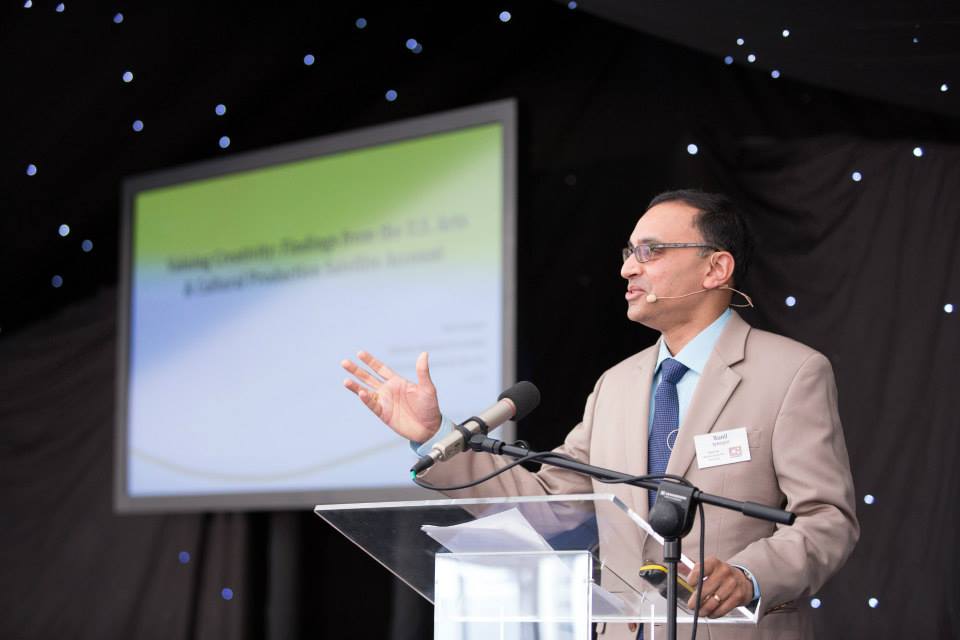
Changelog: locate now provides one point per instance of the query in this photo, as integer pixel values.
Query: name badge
(723, 447)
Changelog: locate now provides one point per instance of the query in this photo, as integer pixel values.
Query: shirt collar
(696, 352)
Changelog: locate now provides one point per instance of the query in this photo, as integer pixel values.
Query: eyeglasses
(646, 252)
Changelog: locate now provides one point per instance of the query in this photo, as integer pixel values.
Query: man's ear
(721, 270)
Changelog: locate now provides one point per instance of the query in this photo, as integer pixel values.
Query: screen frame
(503, 112)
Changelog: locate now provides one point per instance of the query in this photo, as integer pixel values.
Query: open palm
(411, 409)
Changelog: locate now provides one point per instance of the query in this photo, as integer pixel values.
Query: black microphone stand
(672, 514)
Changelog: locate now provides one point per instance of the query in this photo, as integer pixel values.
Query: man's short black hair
(720, 222)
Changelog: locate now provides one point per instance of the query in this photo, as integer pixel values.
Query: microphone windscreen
(525, 397)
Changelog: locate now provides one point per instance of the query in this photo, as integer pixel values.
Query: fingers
(378, 367)
(723, 588)
(361, 373)
(423, 371)
(366, 396)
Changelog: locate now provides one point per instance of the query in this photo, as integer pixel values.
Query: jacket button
(632, 627)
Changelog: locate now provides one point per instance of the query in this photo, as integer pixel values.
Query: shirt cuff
(756, 585)
(446, 426)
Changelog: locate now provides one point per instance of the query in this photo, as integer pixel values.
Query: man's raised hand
(410, 409)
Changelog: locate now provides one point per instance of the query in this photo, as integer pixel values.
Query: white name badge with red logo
(722, 447)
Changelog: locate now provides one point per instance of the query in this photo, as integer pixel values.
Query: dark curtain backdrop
(606, 116)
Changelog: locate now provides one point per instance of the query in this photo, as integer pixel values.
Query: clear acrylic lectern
(518, 568)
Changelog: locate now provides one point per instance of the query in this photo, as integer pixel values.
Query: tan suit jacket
(785, 396)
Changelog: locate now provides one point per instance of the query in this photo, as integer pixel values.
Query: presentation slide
(246, 290)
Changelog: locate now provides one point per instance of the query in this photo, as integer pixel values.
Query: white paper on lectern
(504, 531)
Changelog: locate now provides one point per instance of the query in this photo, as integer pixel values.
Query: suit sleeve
(519, 481)
(813, 471)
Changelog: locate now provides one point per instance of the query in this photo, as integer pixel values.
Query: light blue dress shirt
(694, 356)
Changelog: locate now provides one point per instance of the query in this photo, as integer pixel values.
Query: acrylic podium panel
(584, 570)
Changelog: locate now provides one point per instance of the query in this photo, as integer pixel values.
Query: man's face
(671, 272)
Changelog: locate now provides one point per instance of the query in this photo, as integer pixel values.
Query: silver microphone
(516, 402)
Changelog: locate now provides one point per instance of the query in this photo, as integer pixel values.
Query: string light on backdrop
(61, 7)
(127, 76)
(692, 149)
(740, 42)
(505, 16)
(224, 142)
(118, 18)
(785, 33)
(856, 176)
(138, 125)
(31, 169)
(815, 603)
(751, 57)
(220, 109)
(64, 230)
(360, 23)
(309, 59)
(944, 88)
(390, 95)
(56, 281)
(226, 593)
(572, 5)
(28, 4)
(775, 74)
(918, 152)
(414, 46)
(790, 301)
(183, 557)
(728, 60)
(873, 603)
(869, 499)
(87, 246)
(948, 308)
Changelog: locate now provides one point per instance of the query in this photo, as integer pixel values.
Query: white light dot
(944, 87)
(728, 60)
(87, 246)
(815, 603)
(948, 308)
(739, 42)
(775, 73)
(785, 33)
(60, 8)
(390, 95)
(118, 18)
(873, 603)
(412, 43)
(220, 109)
(226, 593)
(361, 23)
(692, 149)
(28, 4)
(869, 499)
(56, 281)
(31, 169)
(918, 152)
(127, 76)
(752, 57)
(224, 142)
(572, 5)
(505, 16)
(856, 176)
(916, 40)
(138, 125)
(308, 59)
(790, 301)
(64, 230)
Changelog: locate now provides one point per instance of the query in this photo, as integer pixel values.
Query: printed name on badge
(722, 447)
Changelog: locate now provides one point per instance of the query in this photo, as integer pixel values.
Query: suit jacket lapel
(713, 390)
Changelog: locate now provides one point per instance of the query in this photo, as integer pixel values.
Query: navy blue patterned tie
(666, 420)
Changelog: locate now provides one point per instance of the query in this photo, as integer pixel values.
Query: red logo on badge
(736, 452)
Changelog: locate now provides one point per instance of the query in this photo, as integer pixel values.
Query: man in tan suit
(686, 253)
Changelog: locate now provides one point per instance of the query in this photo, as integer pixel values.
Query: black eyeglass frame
(649, 249)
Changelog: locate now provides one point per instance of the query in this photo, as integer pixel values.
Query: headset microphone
(652, 297)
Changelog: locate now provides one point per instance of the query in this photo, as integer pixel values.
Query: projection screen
(246, 280)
